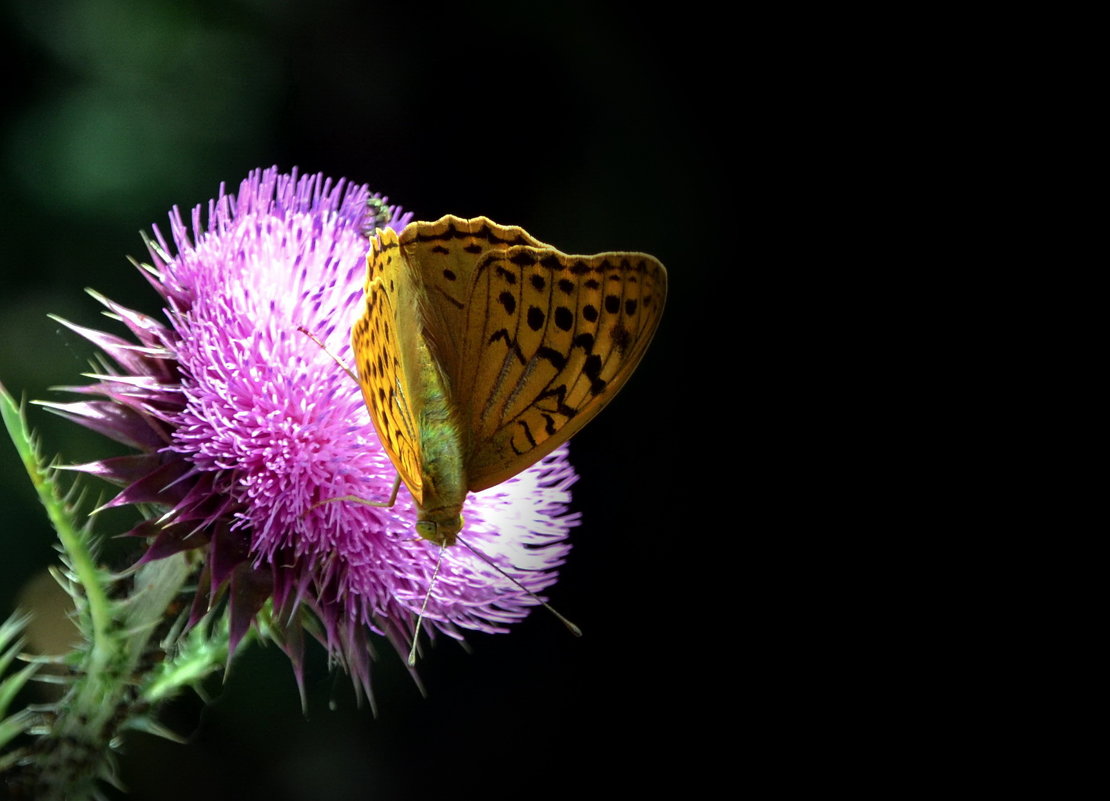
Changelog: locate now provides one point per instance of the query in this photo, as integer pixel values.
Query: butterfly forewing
(377, 345)
(549, 339)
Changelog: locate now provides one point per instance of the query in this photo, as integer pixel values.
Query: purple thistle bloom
(243, 423)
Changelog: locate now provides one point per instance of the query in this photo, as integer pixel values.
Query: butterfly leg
(335, 358)
(424, 607)
(392, 497)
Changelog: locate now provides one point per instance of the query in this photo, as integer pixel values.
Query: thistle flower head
(242, 425)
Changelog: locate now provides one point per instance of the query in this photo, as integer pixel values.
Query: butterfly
(480, 349)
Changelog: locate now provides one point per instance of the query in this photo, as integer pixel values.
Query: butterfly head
(439, 526)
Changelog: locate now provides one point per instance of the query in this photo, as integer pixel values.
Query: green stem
(113, 683)
(80, 559)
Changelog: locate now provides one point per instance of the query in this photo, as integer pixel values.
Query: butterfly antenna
(571, 627)
(324, 348)
(423, 606)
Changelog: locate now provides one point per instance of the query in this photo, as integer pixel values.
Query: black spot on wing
(554, 357)
(564, 318)
(527, 434)
(621, 337)
(592, 371)
(503, 334)
(559, 393)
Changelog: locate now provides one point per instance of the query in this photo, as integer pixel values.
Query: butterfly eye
(426, 529)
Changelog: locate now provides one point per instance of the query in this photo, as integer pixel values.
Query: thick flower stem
(75, 754)
(111, 677)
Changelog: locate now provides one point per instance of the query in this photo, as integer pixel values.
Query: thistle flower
(242, 425)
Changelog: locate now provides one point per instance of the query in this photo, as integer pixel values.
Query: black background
(592, 127)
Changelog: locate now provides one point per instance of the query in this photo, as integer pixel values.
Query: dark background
(594, 128)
